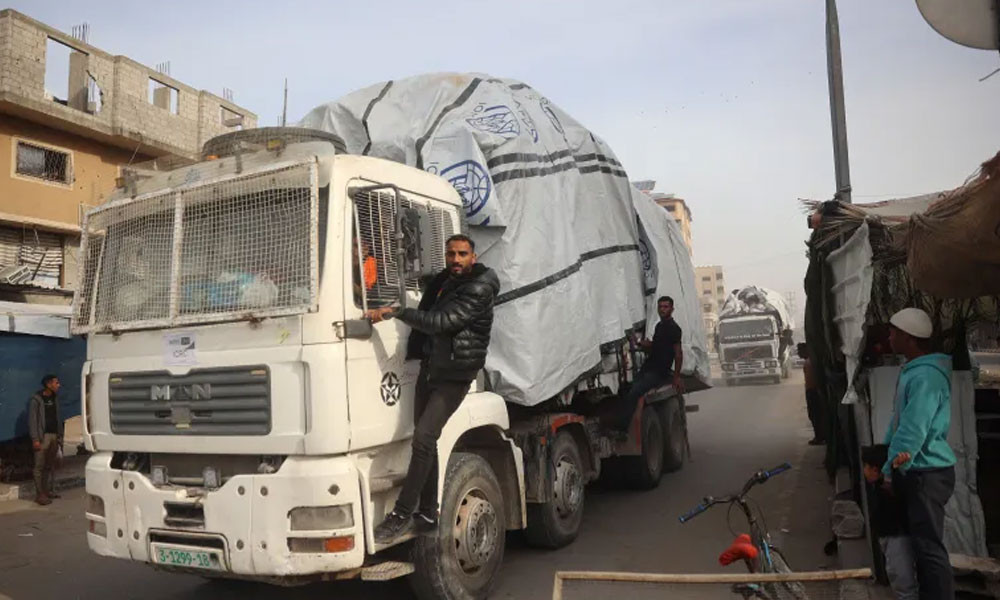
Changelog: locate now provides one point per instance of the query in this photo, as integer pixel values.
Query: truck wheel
(556, 523)
(643, 472)
(461, 559)
(675, 436)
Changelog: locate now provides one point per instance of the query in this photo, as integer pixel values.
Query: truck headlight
(770, 364)
(728, 367)
(321, 518)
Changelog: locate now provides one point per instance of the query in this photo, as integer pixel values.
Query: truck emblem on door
(181, 392)
(390, 389)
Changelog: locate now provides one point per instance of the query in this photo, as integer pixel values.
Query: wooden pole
(702, 578)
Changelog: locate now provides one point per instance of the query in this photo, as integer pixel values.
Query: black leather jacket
(451, 325)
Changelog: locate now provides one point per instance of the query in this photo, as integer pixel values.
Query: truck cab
(245, 419)
(752, 347)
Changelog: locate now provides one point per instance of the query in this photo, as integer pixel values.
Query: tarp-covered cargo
(550, 208)
(757, 300)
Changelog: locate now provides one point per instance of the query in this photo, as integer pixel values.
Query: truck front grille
(745, 353)
(221, 401)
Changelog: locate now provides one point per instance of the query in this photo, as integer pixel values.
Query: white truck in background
(755, 336)
(246, 420)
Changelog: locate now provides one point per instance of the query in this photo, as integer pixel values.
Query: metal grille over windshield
(244, 245)
(375, 214)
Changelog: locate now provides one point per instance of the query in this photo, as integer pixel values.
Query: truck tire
(674, 434)
(460, 560)
(643, 472)
(556, 523)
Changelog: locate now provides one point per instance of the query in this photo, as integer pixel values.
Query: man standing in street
(814, 403)
(665, 360)
(918, 447)
(451, 333)
(46, 429)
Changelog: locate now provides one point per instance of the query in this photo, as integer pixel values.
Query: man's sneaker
(392, 528)
(43, 500)
(424, 522)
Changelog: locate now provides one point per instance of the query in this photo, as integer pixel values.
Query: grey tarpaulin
(549, 205)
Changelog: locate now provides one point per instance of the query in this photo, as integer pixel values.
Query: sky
(723, 103)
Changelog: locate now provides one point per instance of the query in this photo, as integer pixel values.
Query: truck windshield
(245, 245)
(746, 330)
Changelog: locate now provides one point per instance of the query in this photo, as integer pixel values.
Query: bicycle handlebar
(694, 512)
(777, 470)
(758, 477)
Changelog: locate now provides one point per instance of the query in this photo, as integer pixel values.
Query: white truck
(755, 334)
(247, 422)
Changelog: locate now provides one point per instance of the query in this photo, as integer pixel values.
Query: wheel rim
(476, 531)
(568, 489)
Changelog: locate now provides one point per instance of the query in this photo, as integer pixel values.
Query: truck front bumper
(246, 522)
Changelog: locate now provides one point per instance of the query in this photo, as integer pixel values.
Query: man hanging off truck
(664, 351)
(451, 333)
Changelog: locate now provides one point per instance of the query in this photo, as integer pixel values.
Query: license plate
(181, 556)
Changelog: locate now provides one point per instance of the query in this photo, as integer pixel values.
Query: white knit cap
(914, 322)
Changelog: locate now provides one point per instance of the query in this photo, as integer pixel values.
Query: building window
(707, 278)
(230, 119)
(706, 293)
(720, 290)
(163, 96)
(43, 163)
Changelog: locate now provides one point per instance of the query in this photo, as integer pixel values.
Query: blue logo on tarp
(472, 183)
(644, 257)
(528, 121)
(551, 114)
(498, 119)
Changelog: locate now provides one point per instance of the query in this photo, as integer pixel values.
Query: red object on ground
(741, 548)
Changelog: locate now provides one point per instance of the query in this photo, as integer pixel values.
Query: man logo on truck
(183, 392)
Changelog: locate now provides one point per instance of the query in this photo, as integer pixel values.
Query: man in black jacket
(451, 332)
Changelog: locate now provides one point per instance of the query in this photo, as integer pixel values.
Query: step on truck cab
(248, 422)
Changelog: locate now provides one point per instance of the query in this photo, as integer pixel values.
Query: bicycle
(755, 549)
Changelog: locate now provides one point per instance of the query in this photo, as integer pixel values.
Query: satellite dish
(972, 23)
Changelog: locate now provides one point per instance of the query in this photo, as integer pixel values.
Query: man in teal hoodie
(918, 447)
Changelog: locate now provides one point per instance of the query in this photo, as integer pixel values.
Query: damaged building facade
(71, 117)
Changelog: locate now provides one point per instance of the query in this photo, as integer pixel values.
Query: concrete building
(678, 208)
(712, 290)
(71, 115)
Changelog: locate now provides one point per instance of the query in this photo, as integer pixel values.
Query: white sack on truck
(756, 300)
(548, 204)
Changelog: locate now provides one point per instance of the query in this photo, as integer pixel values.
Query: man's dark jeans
(644, 382)
(925, 492)
(434, 404)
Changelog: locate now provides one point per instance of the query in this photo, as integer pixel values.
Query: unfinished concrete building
(71, 115)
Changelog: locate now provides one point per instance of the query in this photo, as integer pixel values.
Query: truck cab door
(380, 381)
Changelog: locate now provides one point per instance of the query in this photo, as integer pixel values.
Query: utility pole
(838, 117)
(284, 110)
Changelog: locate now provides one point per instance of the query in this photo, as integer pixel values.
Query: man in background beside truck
(451, 333)
(46, 429)
(664, 351)
(814, 402)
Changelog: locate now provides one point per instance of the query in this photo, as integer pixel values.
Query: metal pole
(284, 109)
(838, 116)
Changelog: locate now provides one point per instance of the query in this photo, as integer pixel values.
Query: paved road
(43, 552)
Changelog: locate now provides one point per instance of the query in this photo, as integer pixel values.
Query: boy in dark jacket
(888, 524)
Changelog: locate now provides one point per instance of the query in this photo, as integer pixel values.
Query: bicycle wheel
(784, 590)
